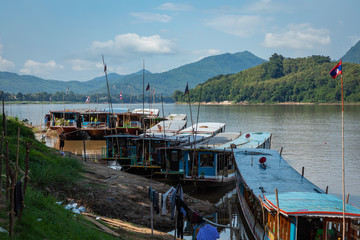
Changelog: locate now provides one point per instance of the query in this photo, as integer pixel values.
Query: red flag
(120, 96)
(148, 87)
(336, 70)
(186, 90)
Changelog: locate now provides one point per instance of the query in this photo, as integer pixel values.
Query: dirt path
(124, 196)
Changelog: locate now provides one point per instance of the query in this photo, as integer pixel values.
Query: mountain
(281, 80)
(163, 83)
(353, 55)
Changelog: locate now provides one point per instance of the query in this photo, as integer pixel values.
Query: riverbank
(226, 103)
(183, 103)
(57, 180)
(118, 194)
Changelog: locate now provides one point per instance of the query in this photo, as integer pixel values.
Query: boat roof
(171, 127)
(248, 140)
(115, 110)
(176, 116)
(220, 139)
(66, 111)
(147, 111)
(205, 127)
(294, 191)
(306, 203)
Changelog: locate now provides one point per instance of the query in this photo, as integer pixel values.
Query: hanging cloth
(18, 198)
(208, 232)
(164, 197)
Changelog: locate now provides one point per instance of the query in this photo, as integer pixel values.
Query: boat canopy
(307, 203)
(176, 116)
(265, 170)
(147, 111)
(171, 126)
(248, 140)
(115, 110)
(204, 128)
(220, 139)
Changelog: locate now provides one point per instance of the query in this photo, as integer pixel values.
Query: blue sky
(64, 40)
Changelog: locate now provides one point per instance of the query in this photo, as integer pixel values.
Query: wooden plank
(106, 229)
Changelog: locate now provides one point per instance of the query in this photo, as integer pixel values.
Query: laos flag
(336, 70)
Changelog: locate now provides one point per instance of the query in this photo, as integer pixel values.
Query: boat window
(206, 160)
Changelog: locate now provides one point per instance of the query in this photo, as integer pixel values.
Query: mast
(342, 154)
(143, 119)
(112, 125)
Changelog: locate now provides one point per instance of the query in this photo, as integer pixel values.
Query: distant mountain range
(164, 83)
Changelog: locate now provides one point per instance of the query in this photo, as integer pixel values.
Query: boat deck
(296, 194)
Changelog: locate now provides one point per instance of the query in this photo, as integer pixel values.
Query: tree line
(281, 80)
(80, 98)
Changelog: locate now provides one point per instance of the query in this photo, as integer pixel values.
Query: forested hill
(281, 80)
(353, 55)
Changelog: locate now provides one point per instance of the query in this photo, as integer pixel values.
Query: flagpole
(343, 150)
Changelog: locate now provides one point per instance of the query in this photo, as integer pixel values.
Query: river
(310, 135)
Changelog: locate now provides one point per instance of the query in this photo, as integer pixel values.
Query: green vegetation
(49, 172)
(281, 79)
(60, 97)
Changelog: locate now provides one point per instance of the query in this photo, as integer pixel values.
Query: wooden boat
(214, 164)
(279, 203)
(95, 123)
(66, 123)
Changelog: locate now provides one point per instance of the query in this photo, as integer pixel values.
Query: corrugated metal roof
(220, 139)
(205, 127)
(294, 191)
(306, 203)
(248, 140)
(171, 127)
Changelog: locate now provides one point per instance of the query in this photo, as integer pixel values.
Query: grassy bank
(53, 178)
(49, 172)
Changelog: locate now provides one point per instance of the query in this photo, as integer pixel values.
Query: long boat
(95, 124)
(66, 123)
(215, 166)
(279, 203)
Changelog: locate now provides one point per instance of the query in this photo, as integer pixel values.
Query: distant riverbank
(278, 103)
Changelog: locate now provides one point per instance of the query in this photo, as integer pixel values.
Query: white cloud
(301, 36)
(131, 43)
(239, 25)
(175, 7)
(81, 65)
(40, 69)
(6, 65)
(153, 17)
